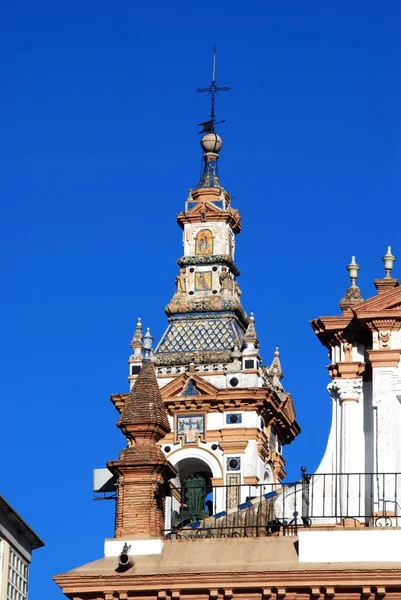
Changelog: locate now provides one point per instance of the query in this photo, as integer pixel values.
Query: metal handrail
(320, 499)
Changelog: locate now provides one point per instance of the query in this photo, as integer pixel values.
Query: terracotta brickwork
(142, 468)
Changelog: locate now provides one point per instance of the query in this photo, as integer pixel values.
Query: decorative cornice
(217, 303)
(198, 358)
(384, 324)
(342, 581)
(205, 211)
(263, 400)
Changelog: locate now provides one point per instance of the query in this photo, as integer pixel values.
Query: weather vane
(208, 126)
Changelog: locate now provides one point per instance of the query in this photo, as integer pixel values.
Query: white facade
(17, 541)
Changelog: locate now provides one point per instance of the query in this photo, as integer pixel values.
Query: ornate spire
(250, 336)
(276, 370)
(353, 294)
(136, 341)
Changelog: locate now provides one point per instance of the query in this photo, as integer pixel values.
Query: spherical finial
(211, 142)
(353, 269)
(389, 260)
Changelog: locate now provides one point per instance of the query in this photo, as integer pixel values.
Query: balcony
(318, 500)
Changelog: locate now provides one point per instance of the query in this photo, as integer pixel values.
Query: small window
(272, 439)
(234, 463)
(249, 364)
(234, 418)
(135, 369)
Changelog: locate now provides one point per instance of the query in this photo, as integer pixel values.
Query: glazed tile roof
(197, 335)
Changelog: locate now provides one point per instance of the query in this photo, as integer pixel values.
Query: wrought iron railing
(353, 499)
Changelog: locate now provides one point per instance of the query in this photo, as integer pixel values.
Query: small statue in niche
(225, 281)
(348, 351)
(181, 281)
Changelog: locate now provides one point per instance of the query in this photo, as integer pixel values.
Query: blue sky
(99, 146)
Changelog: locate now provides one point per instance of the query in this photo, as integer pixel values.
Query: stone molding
(340, 584)
(347, 370)
(384, 358)
(251, 480)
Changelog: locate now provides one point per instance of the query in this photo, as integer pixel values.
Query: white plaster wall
(219, 381)
(251, 380)
(221, 232)
(113, 547)
(386, 406)
(215, 420)
(250, 460)
(396, 339)
(359, 545)
(162, 381)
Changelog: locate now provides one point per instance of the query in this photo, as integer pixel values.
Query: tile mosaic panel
(203, 281)
(233, 495)
(190, 427)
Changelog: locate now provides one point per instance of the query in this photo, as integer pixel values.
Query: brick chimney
(142, 469)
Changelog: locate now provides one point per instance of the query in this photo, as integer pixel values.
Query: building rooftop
(20, 525)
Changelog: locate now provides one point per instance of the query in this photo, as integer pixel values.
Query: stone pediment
(206, 211)
(387, 304)
(188, 385)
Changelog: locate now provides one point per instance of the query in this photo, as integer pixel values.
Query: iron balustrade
(327, 499)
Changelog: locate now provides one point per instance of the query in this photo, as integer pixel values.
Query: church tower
(201, 513)
(229, 413)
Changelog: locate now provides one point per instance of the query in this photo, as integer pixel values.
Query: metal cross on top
(213, 88)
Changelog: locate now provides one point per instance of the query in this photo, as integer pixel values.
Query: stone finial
(136, 341)
(353, 269)
(353, 294)
(387, 282)
(388, 260)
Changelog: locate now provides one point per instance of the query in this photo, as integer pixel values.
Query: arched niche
(204, 243)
